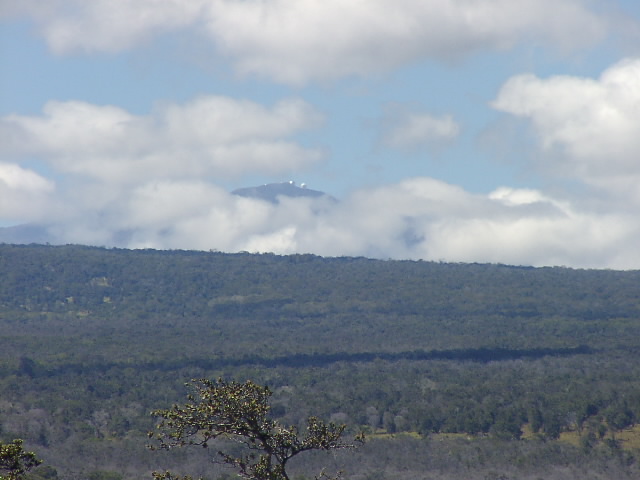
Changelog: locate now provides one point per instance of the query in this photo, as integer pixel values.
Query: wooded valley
(471, 371)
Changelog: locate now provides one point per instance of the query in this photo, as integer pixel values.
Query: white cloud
(297, 41)
(80, 26)
(523, 196)
(288, 40)
(408, 130)
(23, 193)
(18, 178)
(210, 136)
(588, 127)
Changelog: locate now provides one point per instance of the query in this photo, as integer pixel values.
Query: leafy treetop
(239, 412)
(15, 461)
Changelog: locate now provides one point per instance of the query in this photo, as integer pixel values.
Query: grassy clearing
(385, 435)
(629, 439)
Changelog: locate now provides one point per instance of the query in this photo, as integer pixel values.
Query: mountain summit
(271, 191)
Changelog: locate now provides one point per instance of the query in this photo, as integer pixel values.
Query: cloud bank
(419, 218)
(299, 41)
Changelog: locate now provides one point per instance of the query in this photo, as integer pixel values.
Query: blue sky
(488, 131)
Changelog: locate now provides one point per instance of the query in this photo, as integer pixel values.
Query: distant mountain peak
(272, 191)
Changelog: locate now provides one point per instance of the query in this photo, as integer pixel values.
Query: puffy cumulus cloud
(296, 41)
(210, 136)
(417, 218)
(23, 193)
(404, 129)
(588, 128)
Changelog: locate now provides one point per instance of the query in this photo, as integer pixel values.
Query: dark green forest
(474, 371)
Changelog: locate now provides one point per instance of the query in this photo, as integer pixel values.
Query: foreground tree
(15, 461)
(239, 412)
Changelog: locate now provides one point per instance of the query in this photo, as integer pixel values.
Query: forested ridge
(454, 370)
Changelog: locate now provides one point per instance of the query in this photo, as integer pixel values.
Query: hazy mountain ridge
(26, 234)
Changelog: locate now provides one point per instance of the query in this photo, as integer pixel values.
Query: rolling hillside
(427, 357)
